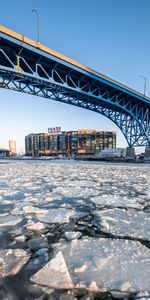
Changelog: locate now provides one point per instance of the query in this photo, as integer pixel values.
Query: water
(68, 228)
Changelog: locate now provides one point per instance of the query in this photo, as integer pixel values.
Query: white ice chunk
(122, 223)
(59, 215)
(9, 221)
(34, 210)
(13, 261)
(71, 235)
(20, 238)
(36, 226)
(54, 273)
(107, 264)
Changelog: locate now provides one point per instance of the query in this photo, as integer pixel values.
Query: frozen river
(73, 230)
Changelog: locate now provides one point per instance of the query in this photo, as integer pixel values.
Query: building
(12, 148)
(69, 143)
(4, 153)
(112, 153)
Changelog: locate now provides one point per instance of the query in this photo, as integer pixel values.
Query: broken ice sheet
(72, 235)
(12, 261)
(98, 265)
(42, 184)
(125, 223)
(59, 215)
(36, 226)
(9, 220)
(116, 200)
(75, 191)
(54, 273)
(34, 210)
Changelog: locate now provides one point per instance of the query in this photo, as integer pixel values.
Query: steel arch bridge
(28, 67)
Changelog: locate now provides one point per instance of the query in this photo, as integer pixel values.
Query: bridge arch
(37, 70)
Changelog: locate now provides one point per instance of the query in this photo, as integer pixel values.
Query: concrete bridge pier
(130, 153)
(147, 154)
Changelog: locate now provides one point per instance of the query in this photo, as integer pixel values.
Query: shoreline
(88, 159)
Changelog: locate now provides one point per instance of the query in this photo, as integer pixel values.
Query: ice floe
(77, 227)
(98, 264)
(125, 223)
(59, 215)
(9, 220)
(12, 261)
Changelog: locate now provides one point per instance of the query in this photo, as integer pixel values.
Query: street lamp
(144, 83)
(38, 30)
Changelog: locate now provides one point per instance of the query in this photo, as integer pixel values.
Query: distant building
(4, 153)
(12, 148)
(69, 143)
(112, 153)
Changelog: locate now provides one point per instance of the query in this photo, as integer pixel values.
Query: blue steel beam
(26, 67)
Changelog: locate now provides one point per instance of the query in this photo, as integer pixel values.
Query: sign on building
(54, 129)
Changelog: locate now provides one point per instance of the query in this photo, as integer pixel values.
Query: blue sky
(111, 36)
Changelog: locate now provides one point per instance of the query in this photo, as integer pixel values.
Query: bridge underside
(29, 70)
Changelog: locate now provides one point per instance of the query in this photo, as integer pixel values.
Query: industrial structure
(69, 143)
(31, 68)
(112, 153)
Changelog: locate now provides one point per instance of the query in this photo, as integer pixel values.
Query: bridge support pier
(130, 153)
(147, 154)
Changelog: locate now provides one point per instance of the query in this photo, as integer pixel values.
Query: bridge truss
(31, 70)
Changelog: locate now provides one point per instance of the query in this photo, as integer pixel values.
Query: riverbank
(81, 159)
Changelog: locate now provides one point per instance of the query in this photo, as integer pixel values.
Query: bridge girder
(46, 78)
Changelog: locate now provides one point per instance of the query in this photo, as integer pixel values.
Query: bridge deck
(38, 46)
